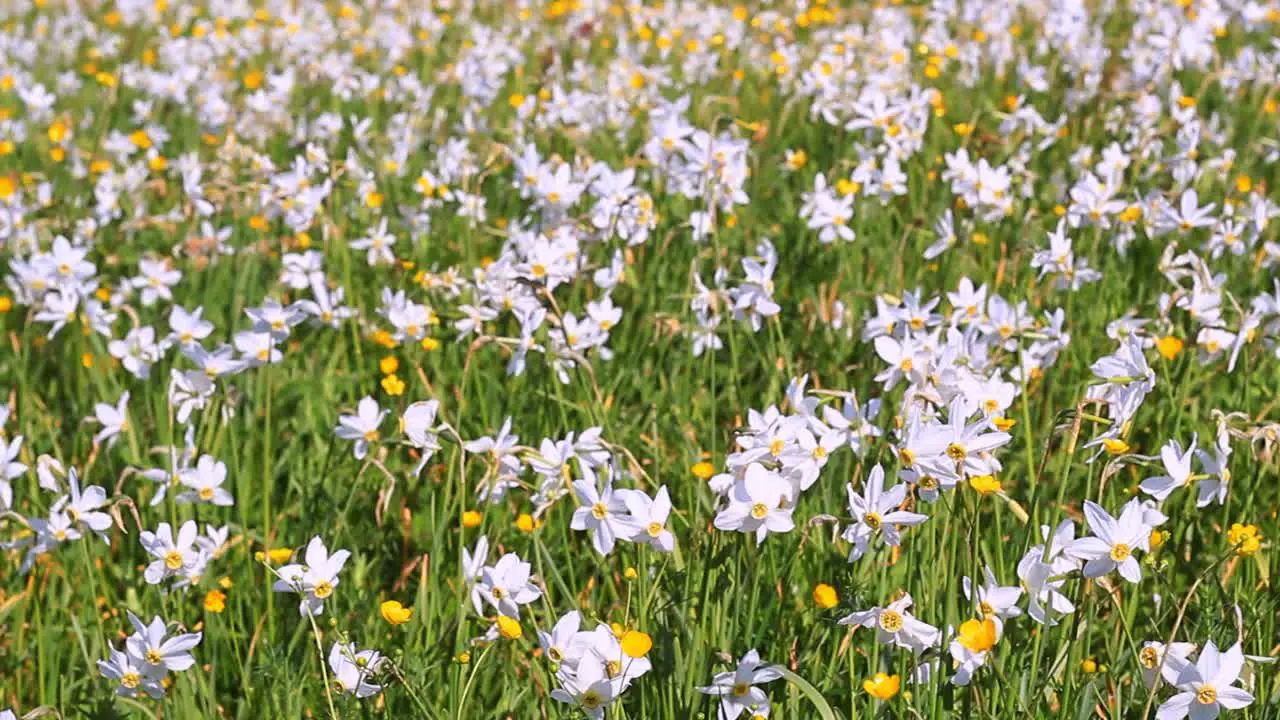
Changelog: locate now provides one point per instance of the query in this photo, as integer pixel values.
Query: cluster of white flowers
(148, 658)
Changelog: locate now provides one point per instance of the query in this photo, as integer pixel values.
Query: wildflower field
(584, 359)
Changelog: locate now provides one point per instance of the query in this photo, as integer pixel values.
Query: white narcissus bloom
(353, 669)
(759, 503)
(992, 600)
(649, 515)
(1177, 464)
(188, 327)
(1160, 661)
(559, 645)
(316, 580)
(590, 688)
(1217, 467)
(10, 468)
(82, 509)
(155, 280)
(129, 674)
(968, 445)
(604, 514)
(875, 512)
(418, 424)
(172, 556)
(205, 482)
(506, 586)
(737, 689)
(361, 427)
(378, 244)
(1208, 686)
(1113, 542)
(1043, 573)
(895, 626)
(149, 648)
(114, 419)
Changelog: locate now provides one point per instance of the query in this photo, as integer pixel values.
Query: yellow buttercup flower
(395, 613)
(58, 132)
(279, 555)
(393, 385)
(471, 519)
(383, 338)
(525, 523)
(1169, 347)
(509, 628)
(977, 635)
(215, 601)
(825, 596)
(881, 686)
(985, 484)
(388, 364)
(1245, 539)
(703, 470)
(636, 644)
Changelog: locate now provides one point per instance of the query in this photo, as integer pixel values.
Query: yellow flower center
(206, 494)
(1120, 552)
(956, 452)
(323, 589)
(890, 621)
(1149, 658)
(591, 699)
(1207, 695)
(906, 456)
(759, 511)
(130, 680)
(776, 447)
(370, 435)
(599, 511)
(654, 529)
(741, 689)
(173, 560)
(872, 520)
(153, 656)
